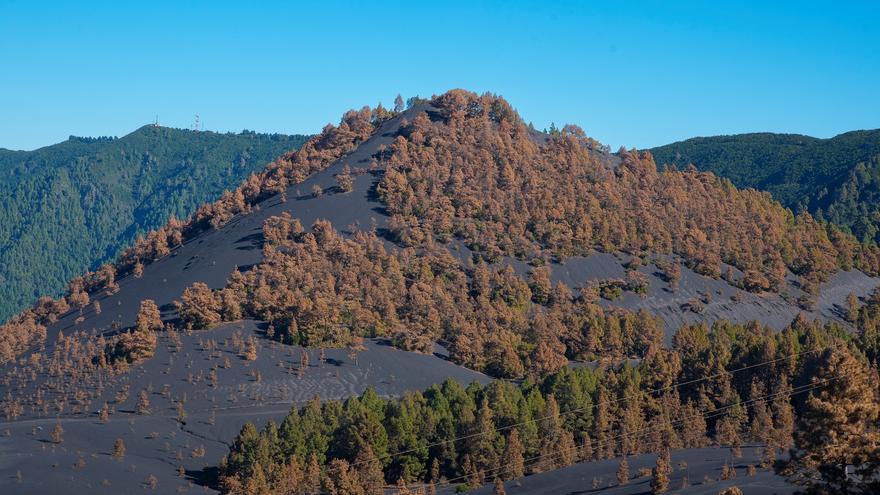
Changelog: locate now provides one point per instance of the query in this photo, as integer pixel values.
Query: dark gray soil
(702, 469)
(157, 443)
(670, 305)
(215, 414)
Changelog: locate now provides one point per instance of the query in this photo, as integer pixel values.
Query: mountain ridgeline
(603, 306)
(836, 179)
(75, 204)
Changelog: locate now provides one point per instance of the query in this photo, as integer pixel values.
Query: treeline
(90, 139)
(320, 289)
(740, 383)
(479, 176)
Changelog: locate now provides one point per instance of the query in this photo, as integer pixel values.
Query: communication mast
(196, 125)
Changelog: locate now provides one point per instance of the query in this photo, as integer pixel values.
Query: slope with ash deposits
(695, 472)
(212, 255)
(204, 375)
(403, 201)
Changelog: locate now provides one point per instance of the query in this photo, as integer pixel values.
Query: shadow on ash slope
(159, 443)
(701, 468)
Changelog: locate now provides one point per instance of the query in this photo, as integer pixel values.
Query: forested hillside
(835, 179)
(469, 172)
(70, 206)
(442, 230)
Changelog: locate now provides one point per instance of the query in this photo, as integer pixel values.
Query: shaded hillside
(835, 179)
(696, 472)
(73, 205)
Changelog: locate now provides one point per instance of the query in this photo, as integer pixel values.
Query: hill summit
(439, 296)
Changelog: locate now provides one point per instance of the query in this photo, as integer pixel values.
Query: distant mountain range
(836, 179)
(72, 205)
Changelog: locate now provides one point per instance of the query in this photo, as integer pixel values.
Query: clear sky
(639, 74)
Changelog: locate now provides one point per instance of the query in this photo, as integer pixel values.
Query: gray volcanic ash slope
(179, 377)
(159, 443)
(212, 256)
(700, 467)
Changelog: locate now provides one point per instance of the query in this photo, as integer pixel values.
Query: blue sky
(630, 73)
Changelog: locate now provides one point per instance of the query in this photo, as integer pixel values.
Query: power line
(581, 409)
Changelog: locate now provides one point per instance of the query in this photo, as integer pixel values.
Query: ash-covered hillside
(597, 307)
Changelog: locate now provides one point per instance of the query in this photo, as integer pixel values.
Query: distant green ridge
(836, 179)
(68, 207)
